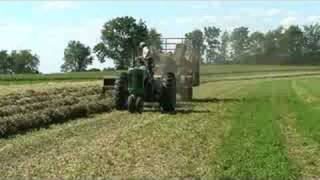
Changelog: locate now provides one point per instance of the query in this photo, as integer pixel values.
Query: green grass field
(208, 72)
(253, 128)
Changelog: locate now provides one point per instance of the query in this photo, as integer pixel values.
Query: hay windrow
(56, 102)
(22, 122)
(34, 109)
(30, 97)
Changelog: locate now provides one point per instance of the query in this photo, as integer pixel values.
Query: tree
(271, 42)
(120, 40)
(154, 39)
(211, 35)
(224, 46)
(5, 62)
(294, 37)
(311, 44)
(312, 37)
(240, 42)
(256, 43)
(24, 62)
(76, 57)
(256, 46)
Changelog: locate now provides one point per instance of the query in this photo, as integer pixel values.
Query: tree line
(121, 36)
(18, 62)
(291, 45)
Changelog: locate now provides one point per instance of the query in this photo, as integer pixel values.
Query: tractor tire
(139, 104)
(168, 94)
(120, 95)
(131, 104)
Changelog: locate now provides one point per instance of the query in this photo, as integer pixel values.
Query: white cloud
(195, 21)
(14, 27)
(206, 4)
(290, 20)
(273, 12)
(184, 20)
(13, 34)
(261, 13)
(292, 13)
(199, 6)
(209, 18)
(163, 22)
(215, 4)
(56, 6)
(313, 19)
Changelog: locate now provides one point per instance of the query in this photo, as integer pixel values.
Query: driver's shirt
(145, 52)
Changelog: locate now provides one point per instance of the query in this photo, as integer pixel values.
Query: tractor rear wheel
(121, 92)
(168, 94)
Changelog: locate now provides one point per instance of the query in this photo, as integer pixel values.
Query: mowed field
(246, 122)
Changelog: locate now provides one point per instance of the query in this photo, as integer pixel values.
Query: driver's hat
(142, 44)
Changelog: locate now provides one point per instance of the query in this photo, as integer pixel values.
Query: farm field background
(207, 72)
(244, 121)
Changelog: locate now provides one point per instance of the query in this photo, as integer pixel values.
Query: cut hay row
(48, 96)
(56, 102)
(54, 91)
(261, 71)
(22, 122)
(262, 77)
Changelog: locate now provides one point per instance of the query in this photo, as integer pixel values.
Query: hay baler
(165, 76)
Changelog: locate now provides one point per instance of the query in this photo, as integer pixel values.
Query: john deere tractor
(158, 77)
(132, 89)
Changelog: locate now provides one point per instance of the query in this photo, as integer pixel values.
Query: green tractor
(137, 86)
(158, 77)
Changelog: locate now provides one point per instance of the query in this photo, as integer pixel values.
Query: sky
(46, 27)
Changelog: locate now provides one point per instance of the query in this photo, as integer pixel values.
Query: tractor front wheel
(131, 104)
(135, 104)
(139, 104)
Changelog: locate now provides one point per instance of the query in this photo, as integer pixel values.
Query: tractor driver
(145, 57)
(143, 52)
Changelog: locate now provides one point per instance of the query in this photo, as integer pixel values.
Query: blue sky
(45, 27)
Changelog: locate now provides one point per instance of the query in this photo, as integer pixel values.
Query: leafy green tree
(295, 38)
(240, 43)
(271, 42)
(312, 37)
(211, 35)
(224, 46)
(120, 40)
(256, 47)
(311, 44)
(275, 47)
(256, 43)
(154, 39)
(76, 57)
(24, 62)
(5, 62)
(290, 44)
